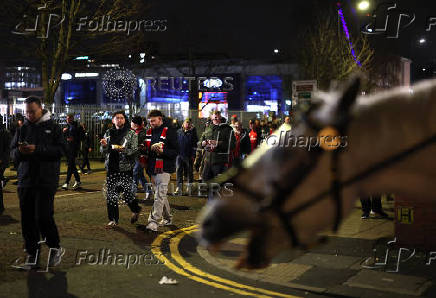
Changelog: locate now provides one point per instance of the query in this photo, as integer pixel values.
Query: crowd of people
(153, 145)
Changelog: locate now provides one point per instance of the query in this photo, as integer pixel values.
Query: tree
(56, 37)
(326, 56)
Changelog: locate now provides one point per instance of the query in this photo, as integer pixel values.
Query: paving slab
(327, 261)
(390, 282)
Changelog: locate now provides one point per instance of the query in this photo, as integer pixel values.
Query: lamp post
(363, 5)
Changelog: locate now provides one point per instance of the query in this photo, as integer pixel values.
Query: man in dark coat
(38, 147)
(218, 140)
(187, 139)
(162, 147)
(73, 134)
(5, 140)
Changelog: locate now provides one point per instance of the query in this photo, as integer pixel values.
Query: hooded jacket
(5, 140)
(74, 131)
(223, 133)
(125, 159)
(41, 168)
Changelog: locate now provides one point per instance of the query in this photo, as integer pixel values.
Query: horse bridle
(276, 202)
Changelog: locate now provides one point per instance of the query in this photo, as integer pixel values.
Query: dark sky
(252, 29)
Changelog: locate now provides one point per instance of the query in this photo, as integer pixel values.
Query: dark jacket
(170, 151)
(75, 131)
(5, 141)
(245, 145)
(223, 133)
(41, 168)
(187, 143)
(87, 141)
(126, 159)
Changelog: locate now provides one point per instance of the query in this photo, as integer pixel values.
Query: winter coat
(127, 157)
(170, 149)
(223, 133)
(41, 168)
(75, 131)
(5, 141)
(187, 143)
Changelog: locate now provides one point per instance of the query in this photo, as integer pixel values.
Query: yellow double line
(196, 274)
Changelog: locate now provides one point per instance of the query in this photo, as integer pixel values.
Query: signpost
(302, 91)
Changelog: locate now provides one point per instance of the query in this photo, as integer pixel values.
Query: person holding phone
(37, 148)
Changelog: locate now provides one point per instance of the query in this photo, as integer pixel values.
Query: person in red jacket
(254, 135)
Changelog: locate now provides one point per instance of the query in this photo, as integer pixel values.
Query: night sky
(253, 29)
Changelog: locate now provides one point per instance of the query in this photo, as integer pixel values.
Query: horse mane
(418, 93)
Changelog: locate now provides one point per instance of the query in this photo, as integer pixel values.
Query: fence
(98, 118)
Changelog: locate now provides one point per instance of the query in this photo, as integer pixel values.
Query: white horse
(285, 195)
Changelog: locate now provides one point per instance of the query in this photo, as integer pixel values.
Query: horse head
(268, 178)
(286, 192)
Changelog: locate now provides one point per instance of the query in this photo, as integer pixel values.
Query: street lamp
(422, 41)
(363, 5)
(276, 51)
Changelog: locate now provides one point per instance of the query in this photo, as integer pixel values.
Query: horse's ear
(349, 96)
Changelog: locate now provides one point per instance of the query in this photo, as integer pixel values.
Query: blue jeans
(138, 176)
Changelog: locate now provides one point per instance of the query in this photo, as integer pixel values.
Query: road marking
(217, 282)
(77, 193)
(155, 249)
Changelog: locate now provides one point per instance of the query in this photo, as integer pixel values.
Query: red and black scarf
(158, 168)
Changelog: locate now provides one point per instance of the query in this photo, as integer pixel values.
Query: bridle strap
(377, 167)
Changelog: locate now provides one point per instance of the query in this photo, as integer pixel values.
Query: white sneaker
(65, 186)
(152, 226)
(167, 222)
(76, 185)
(55, 256)
(111, 224)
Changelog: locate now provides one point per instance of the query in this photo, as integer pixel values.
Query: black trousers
(210, 172)
(37, 209)
(185, 168)
(372, 203)
(2, 206)
(120, 182)
(72, 170)
(85, 161)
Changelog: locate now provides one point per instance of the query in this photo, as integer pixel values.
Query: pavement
(353, 263)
